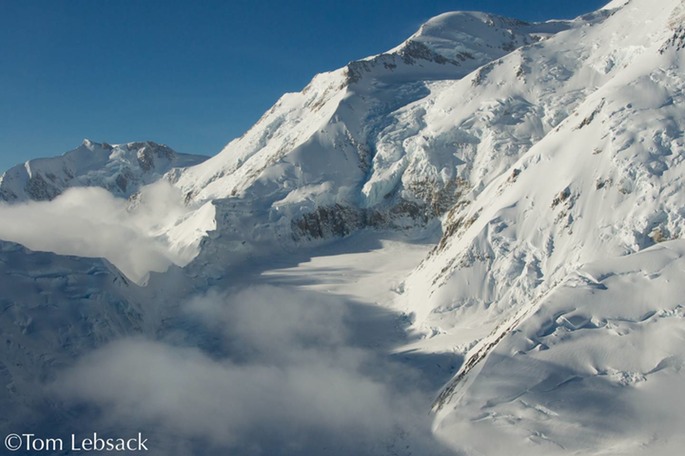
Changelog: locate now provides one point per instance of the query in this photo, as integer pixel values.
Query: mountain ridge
(122, 169)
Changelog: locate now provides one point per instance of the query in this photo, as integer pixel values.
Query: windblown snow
(469, 244)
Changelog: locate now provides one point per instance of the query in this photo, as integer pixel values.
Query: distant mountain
(121, 169)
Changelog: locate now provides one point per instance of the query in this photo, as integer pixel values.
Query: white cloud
(276, 324)
(91, 222)
(287, 376)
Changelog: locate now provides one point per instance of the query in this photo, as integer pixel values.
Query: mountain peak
(92, 146)
(451, 45)
(121, 168)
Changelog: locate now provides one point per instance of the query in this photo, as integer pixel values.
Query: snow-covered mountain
(349, 149)
(605, 181)
(547, 158)
(120, 168)
(396, 140)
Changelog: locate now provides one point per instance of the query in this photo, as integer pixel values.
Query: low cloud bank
(267, 370)
(91, 222)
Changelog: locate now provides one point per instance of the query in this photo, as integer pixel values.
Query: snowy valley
(469, 244)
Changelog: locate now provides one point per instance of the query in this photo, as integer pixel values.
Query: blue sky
(190, 74)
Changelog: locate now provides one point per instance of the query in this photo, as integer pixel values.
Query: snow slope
(595, 369)
(396, 140)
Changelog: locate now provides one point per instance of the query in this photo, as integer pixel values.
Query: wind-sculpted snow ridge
(451, 45)
(121, 169)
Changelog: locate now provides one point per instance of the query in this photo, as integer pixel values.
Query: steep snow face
(446, 147)
(607, 181)
(121, 169)
(289, 145)
(604, 182)
(451, 45)
(352, 144)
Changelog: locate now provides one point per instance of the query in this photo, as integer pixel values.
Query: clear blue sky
(190, 74)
